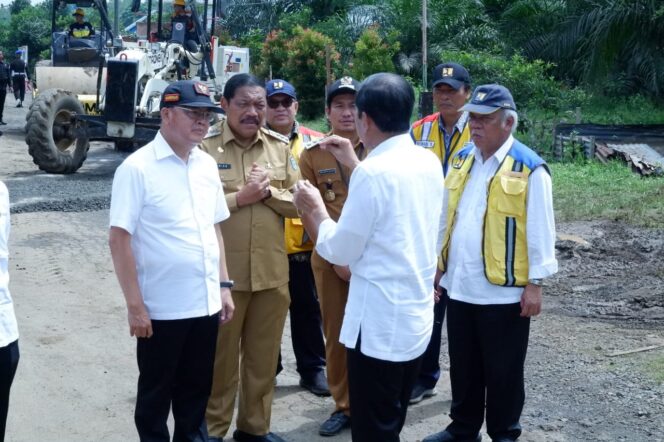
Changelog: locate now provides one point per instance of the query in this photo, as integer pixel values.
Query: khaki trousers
(333, 295)
(247, 351)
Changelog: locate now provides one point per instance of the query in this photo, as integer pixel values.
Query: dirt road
(76, 380)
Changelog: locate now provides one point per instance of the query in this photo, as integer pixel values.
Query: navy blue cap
(452, 74)
(342, 85)
(18, 52)
(278, 86)
(488, 98)
(188, 93)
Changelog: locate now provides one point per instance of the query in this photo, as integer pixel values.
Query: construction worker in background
(19, 74)
(182, 15)
(444, 133)
(80, 28)
(305, 320)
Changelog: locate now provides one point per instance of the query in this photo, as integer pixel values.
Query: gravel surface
(77, 376)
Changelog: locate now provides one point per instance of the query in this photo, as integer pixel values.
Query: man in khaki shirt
(257, 170)
(322, 170)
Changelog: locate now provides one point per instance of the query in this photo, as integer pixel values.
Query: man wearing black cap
(332, 180)
(492, 267)
(169, 258)
(444, 133)
(305, 321)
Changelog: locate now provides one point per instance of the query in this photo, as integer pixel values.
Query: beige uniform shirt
(254, 235)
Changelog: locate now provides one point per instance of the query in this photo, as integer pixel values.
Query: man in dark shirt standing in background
(19, 74)
(4, 84)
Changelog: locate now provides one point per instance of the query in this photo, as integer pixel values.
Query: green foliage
(305, 68)
(254, 40)
(273, 55)
(373, 53)
(609, 191)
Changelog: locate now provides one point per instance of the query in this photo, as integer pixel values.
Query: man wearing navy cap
(332, 179)
(493, 267)
(305, 322)
(444, 133)
(169, 258)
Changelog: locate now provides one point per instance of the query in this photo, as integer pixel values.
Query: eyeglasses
(286, 103)
(197, 115)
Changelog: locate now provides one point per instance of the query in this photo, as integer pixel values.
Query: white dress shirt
(170, 208)
(389, 234)
(8, 327)
(465, 279)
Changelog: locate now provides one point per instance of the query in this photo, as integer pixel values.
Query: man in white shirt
(389, 233)
(9, 353)
(169, 258)
(499, 190)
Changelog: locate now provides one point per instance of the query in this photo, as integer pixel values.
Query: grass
(655, 368)
(596, 191)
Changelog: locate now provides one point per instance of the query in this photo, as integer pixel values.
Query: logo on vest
(457, 162)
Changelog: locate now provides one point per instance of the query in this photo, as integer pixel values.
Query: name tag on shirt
(327, 171)
(425, 143)
(224, 166)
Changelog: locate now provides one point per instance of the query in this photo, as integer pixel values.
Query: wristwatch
(536, 281)
(226, 284)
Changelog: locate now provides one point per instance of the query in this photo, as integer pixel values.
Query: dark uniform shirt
(18, 67)
(81, 30)
(4, 74)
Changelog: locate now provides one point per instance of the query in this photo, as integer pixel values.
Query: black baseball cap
(488, 98)
(188, 93)
(452, 74)
(343, 85)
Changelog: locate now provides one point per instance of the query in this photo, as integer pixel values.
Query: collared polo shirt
(8, 327)
(389, 233)
(465, 279)
(170, 208)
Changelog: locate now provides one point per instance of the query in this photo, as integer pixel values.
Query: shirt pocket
(511, 197)
(277, 175)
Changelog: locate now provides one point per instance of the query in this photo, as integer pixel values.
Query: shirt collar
(162, 149)
(391, 143)
(499, 155)
(460, 124)
(294, 131)
(227, 135)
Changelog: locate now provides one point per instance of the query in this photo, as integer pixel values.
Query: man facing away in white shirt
(169, 258)
(389, 233)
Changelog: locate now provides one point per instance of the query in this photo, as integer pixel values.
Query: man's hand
(307, 198)
(342, 149)
(257, 187)
(140, 324)
(343, 272)
(437, 289)
(531, 301)
(227, 306)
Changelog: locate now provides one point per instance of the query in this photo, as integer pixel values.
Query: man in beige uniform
(257, 170)
(332, 178)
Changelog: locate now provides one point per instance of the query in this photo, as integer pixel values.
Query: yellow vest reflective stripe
(504, 241)
(297, 239)
(426, 133)
(81, 33)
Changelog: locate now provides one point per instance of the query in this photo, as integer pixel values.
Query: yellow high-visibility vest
(427, 133)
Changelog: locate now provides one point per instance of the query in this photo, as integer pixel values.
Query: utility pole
(426, 98)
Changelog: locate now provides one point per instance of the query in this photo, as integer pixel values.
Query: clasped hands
(257, 187)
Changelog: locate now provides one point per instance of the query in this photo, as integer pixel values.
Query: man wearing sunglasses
(332, 179)
(169, 258)
(257, 169)
(305, 322)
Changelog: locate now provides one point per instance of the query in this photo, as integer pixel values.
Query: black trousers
(3, 96)
(19, 87)
(487, 347)
(175, 369)
(430, 369)
(305, 320)
(379, 394)
(9, 356)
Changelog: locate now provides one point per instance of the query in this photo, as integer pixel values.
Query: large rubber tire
(49, 132)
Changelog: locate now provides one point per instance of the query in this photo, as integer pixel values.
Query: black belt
(300, 256)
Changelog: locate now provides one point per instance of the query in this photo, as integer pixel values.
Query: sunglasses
(286, 103)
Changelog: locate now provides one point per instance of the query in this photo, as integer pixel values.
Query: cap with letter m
(489, 98)
(188, 93)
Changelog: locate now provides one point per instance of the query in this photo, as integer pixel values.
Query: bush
(373, 54)
(305, 68)
(273, 55)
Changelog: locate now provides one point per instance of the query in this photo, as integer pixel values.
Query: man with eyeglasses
(169, 258)
(305, 322)
(257, 169)
(332, 179)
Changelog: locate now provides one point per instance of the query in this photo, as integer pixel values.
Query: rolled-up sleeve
(343, 242)
(540, 227)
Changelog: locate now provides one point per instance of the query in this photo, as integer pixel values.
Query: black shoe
(317, 384)
(334, 424)
(241, 436)
(446, 436)
(19, 104)
(420, 392)
(2, 123)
